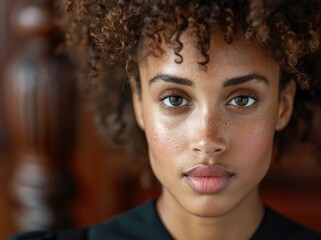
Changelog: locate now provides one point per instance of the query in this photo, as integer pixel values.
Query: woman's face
(210, 130)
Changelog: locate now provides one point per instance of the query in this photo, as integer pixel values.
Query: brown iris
(242, 101)
(175, 100)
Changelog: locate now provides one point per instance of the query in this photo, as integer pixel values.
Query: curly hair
(110, 34)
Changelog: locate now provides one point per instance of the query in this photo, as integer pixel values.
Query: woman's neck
(239, 223)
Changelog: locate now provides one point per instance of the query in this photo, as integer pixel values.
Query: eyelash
(172, 93)
(249, 95)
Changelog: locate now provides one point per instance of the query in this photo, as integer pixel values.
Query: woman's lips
(208, 178)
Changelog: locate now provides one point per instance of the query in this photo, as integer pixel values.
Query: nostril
(208, 146)
(208, 150)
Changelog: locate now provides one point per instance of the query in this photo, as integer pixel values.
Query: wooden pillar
(39, 96)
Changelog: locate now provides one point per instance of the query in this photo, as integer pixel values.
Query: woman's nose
(209, 135)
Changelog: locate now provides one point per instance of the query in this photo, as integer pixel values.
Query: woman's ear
(286, 101)
(138, 109)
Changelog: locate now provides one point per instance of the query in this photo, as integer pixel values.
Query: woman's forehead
(227, 60)
(188, 44)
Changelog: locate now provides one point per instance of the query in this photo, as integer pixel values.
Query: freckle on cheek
(161, 142)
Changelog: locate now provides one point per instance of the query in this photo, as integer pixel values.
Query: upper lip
(205, 170)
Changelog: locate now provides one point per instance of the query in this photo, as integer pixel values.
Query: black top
(144, 223)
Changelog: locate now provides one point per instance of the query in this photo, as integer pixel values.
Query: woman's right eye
(175, 101)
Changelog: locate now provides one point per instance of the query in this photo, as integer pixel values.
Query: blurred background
(57, 171)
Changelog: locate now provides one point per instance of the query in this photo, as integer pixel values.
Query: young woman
(212, 83)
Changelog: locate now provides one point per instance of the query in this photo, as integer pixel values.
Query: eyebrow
(171, 79)
(227, 83)
(247, 78)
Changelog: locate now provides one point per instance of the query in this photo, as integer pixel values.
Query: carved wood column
(39, 96)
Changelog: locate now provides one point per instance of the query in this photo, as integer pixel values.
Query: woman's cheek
(160, 139)
(256, 145)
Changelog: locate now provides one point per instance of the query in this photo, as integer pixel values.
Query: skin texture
(209, 127)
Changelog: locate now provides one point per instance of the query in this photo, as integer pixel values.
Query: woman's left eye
(242, 101)
(175, 101)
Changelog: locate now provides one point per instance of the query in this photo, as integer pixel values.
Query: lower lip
(208, 184)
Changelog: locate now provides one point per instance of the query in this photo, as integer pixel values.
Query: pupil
(176, 101)
(242, 101)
